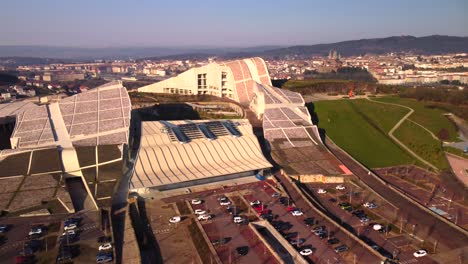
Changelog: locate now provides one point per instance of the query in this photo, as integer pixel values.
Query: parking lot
(171, 237)
(392, 243)
(45, 247)
(237, 235)
(322, 252)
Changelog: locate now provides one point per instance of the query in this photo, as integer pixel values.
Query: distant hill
(435, 44)
(122, 53)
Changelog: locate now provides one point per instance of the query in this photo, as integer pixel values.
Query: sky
(220, 23)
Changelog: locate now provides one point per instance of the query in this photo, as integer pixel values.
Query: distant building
(62, 76)
(234, 80)
(333, 55)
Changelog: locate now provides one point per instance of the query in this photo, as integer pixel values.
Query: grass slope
(384, 116)
(421, 142)
(431, 118)
(350, 123)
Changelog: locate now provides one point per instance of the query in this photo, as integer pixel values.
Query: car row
(105, 254)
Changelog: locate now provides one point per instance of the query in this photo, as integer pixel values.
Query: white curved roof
(163, 160)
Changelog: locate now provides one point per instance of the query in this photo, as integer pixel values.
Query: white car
(225, 202)
(196, 201)
(256, 202)
(370, 205)
(69, 227)
(69, 232)
(35, 231)
(297, 213)
(321, 191)
(420, 253)
(238, 220)
(340, 187)
(204, 217)
(105, 246)
(175, 219)
(377, 227)
(306, 252)
(200, 212)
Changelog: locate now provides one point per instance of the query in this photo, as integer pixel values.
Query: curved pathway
(397, 125)
(423, 127)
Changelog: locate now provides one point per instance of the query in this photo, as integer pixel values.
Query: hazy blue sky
(100, 23)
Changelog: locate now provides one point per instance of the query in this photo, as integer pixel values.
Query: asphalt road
(424, 223)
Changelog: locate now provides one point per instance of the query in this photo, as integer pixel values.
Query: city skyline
(212, 24)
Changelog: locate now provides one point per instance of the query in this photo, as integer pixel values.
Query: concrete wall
(187, 184)
(298, 259)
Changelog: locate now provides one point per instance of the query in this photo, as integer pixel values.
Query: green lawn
(421, 142)
(359, 127)
(384, 116)
(431, 118)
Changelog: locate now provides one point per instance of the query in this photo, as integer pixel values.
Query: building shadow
(315, 120)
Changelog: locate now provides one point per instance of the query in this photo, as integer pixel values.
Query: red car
(23, 259)
(259, 208)
(291, 208)
(264, 212)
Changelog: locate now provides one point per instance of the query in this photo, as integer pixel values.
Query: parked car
(297, 213)
(259, 208)
(221, 241)
(72, 220)
(33, 245)
(363, 219)
(69, 227)
(309, 221)
(238, 220)
(340, 187)
(268, 217)
(224, 201)
(199, 212)
(420, 253)
(24, 259)
(231, 209)
(242, 251)
(276, 195)
(36, 231)
(318, 228)
(332, 200)
(104, 257)
(69, 233)
(285, 200)
(306, 252)
(106, 246)
(196, 201)
(333, 241)
(296, 242)
(290, 235)
(256, 202)
(175, 219)
(321, 191)
(291, 208)
(370, 205)
(4, 228)
(341, 248)
(205, 217)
